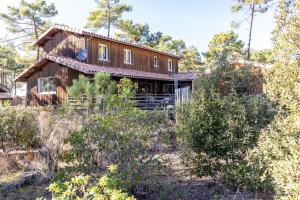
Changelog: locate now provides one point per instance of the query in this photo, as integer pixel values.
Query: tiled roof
(51, 31)
(92, 69)
(5, 96)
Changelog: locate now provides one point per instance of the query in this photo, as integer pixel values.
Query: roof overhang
(92, 69)
(5, 96)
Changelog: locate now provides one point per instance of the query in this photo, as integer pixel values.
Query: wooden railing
(144, 102)
(152, 102)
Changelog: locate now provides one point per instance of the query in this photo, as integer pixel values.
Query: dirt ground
(184, 187)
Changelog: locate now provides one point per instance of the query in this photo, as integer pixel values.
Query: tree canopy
(29, 20)
(223, 48)
(250, 8)
(107, 14)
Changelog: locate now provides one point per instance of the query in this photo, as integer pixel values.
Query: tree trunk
(250, 30)
(108, 28)
(36, 37)
(15, 84)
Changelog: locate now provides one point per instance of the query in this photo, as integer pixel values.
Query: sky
(194, 21)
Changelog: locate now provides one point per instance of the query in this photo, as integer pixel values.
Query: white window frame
(127, 52)
(155, 63)
(46, 92)
(100, 55)
(170, 66)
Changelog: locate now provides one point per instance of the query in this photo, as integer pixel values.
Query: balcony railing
(144, 102)
(154, 101)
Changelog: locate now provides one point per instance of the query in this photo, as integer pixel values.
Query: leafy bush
(107, 187)
(124, 138)
(221, 122)
(275, 162)
(18, 127)
(123, 135)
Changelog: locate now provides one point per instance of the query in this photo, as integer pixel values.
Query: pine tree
(12, 63)
(107, 14)
(191, 60)
(29, 20)
(137, 33)
(250, 8)
(222, 49)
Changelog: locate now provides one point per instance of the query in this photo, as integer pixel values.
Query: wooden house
(69, 52)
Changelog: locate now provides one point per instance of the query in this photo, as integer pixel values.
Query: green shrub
(84, 187)
(217, 127)
(124, 138)
(19, 127)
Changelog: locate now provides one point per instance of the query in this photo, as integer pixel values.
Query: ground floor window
(47, 85)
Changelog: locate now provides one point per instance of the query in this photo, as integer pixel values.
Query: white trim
(39, 86)
(170, 67)
(125, 56)
(44, 93)
(157, 62)
(99, 56)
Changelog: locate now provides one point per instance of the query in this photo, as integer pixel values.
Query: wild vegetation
(109, 149)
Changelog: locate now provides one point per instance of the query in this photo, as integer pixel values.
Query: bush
(218, 126)
(124, 138)
(107, 187)
(278, 151)
(19, 127)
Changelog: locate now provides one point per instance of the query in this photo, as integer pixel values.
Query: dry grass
(11, 177)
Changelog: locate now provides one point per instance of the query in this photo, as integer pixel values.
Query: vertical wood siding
(64, 77)
(67, 44)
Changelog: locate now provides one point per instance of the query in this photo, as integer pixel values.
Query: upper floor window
(170, 65)
(103, 52)
(127, 56)
(155, 61)
(47, 85)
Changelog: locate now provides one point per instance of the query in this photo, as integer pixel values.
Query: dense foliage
(221, 122)
(123, 135)
(28, 21)
(274, 163)
(18, 127)
(108, 14)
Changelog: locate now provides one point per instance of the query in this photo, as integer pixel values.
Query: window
(103, 52)
(47, 86)
(155, 61)
(127, 56)
(170, 65)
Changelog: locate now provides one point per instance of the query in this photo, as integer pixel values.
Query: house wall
(64, 77)
(64, 44)
(141, 59)
(67, 44)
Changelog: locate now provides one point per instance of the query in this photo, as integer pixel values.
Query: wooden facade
(65, 42)
(69, 44)
(63, 76)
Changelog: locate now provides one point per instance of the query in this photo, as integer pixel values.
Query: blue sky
(194, 21)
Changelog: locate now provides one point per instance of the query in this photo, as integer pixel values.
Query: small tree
(92, 93)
